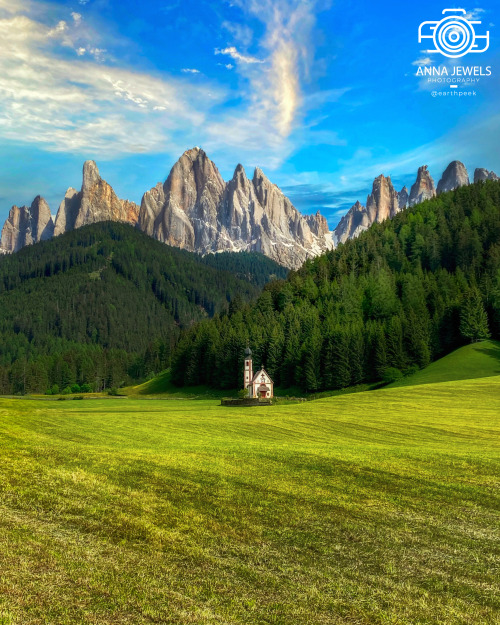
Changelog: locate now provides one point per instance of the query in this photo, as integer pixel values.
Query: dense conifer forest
(406, 292)
(105, 304)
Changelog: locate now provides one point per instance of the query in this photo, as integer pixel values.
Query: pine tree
(417, 338)
(275, 353)
(311, 359)
(473, 318)
(356, 354)
(394, 342)
(336, 361)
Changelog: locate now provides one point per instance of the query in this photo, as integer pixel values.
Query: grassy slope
(373, 508)
(478, 360)
(162, 386)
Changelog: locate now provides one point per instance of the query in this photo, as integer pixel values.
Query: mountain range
(196, 210)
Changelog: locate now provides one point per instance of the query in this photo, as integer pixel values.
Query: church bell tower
(248, 370)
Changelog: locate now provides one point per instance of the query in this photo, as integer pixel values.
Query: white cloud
(78, 36)
(80, 105)
(60, 28)
(426, 60)
(237, 56)
(287, 49)
(241, 32)
(187, 70)
(475, 14)
(15, 6)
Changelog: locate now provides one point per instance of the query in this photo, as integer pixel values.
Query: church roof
(248, 351)
(260, 372)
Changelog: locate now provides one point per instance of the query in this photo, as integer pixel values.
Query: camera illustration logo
(454, 36)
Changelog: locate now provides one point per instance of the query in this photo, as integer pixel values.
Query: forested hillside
(105, 303)
(249, 266)
(404, 293)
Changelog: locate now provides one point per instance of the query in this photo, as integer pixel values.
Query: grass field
(373, 508)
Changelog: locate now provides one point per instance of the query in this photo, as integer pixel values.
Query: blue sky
(321, 95)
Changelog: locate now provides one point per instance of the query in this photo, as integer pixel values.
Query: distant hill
(477, 360)
(106, 302)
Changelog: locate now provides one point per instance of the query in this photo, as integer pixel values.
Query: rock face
(42, 226)
(25, 226)
(423, 187)
(382, 203)
(68, 212)
(354, 222)
(196, 210)
(151, 205)
(481, 174)
(403, 198)
(95, 202)
(454, 176)
(318, 224)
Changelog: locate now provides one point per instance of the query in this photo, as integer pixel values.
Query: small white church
(259, 385)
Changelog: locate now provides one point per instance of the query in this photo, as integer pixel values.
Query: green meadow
(380, 507)
(477, 360)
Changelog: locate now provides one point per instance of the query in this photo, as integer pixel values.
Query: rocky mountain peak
(151, 205)
(454, 176)
(260, 180)
(91, 175)
(42, 226)
(192, 193)
(25, 226)
(318, 224)
(16, 231)
(352, 223)
(95, 202)
(423, 188)
(383, 202)
(268, 194)
(198, 211)
(68, 212)
(403, 197)
(481, 174)
(239, 177)
(201, 175)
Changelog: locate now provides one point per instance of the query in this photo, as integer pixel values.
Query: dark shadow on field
(493, 352)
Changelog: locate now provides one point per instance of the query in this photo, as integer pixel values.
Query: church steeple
(248, 370)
